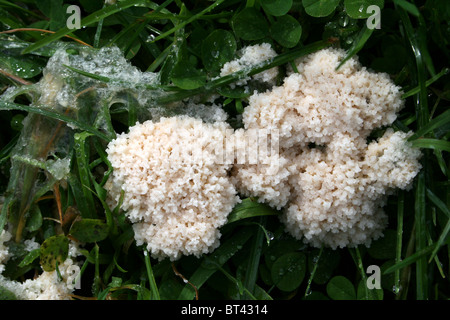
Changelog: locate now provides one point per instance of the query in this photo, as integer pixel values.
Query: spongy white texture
(250, 56)
(5, 236)
(261, 172)
(318, 102)
(176, 186)
(48, 285)
(338, 186)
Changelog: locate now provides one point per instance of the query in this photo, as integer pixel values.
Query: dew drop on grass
(308, 292)
(315, 259)
(396, 289)
(223, 259)
(343, 21)
(150, 38)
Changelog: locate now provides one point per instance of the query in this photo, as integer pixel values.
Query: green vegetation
(186, 43)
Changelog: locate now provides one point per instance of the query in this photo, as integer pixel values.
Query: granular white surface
(334, 184)
(176, 191)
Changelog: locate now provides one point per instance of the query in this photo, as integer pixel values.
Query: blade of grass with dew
(141, 23)
(420, 219)
(441, 120)
(98, 31)
(81, 157)
(109, 79)
(100, 193)
(421, 100)
(159, 60)
(15, 6)
(422, 113)
(434, 144)
(186, 22)
(4, 105)
(97, 280)
(254, 258)
(354, 252)
(410, 259)
(408, 6)
(5, 153)
(248, 208)
(313, 272)
(437, 262)
(104, 158)
(76, 189)
(429, 82)
(210, 263)
(92, 18)
(357, 45)
(241, 287)
(151, 277)
(441, 205)
(399, 243)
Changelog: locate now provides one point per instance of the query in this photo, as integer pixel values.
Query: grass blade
(441, 205)
(248, 208)
(399, 244)
(210, 263)
(409, 260)
(186, 22)
(358, 44)
(427, 83)
(92, 18)
(253, 262)
(83, 171)
(441, 120)
(313, 272)
(4, 105)
(434, 144)
(151, 278)
(421, 238)
(248, 294)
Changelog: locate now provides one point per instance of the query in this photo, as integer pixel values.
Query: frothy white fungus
(332, 182)
(5, 236)
(48, 285)
(176, 191)
(250, 56)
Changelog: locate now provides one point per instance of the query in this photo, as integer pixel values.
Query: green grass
(171, 38)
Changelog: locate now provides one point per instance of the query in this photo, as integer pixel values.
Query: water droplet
(308, 292)
(343, 21)
(396, 289)
(223, 259)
